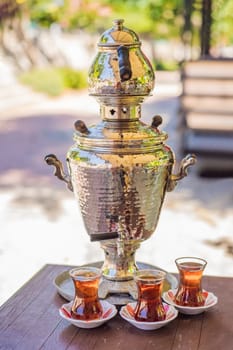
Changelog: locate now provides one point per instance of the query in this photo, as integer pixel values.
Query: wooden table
(29, 320)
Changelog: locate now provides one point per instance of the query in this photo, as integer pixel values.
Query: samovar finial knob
(118, 23)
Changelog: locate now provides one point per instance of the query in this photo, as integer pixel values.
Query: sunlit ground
(40, 219)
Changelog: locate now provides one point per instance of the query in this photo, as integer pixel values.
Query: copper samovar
(120, 169)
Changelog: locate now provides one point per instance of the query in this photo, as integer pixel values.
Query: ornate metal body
(121, 168)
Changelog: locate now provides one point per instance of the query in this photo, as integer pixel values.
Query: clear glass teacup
(149, 307)
(86, 305)
(189, 292)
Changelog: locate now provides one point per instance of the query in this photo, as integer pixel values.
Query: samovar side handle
(187, 161)
(51, 159)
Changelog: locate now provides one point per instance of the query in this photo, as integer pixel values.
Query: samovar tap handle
(187, 161)
(51, 159)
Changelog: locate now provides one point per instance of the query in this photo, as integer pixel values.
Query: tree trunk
(187, 29)
(7, 51)
(206, 28)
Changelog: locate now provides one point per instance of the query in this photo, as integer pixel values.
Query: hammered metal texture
(120, 193)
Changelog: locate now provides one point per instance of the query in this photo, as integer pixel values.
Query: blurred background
(46, 49)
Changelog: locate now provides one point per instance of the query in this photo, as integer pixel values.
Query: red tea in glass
(149, 306)
(86, 305)
(189, 292)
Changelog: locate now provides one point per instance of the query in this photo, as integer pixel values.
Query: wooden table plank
(29, 320)
(188, 332)
(23, 297)
(28, 314)
(217, 329)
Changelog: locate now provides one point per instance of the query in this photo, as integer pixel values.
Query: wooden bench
(206, 111)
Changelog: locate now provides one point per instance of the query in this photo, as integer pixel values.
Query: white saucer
(210, 301)
(109, 311)
(171, 314)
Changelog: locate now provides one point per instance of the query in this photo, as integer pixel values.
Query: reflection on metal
(120, 169)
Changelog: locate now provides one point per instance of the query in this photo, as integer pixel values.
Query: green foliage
(73, 79)
(222, 26)
(54, 81)
(45, 12)
(154, 18)
(166, 65)
(84, 18)
(47, 81)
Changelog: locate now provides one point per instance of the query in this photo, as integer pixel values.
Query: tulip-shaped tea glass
(189, 292)
(86, 305)
(149, 307)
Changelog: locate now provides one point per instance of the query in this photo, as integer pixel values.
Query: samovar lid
(119, 35)
(120, 68)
